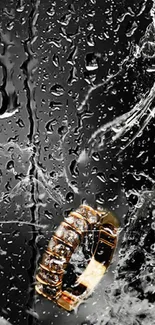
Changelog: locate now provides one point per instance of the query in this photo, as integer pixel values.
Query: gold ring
(68, 237)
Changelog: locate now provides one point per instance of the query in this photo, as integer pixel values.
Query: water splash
(117, 129)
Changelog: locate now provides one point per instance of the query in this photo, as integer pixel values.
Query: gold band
(62, 245)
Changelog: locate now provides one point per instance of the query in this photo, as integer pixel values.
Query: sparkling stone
(82, 210)
(71, 237)
(55, 278)
(51, 244)
(43, 275)
(76, 222)
(51, 278)
(46, 259)
(67, 235)
(40, 286)
(70, 220)
(92, 218)
(57, 265)
(60, 231)
(62, 250)
(50, 291)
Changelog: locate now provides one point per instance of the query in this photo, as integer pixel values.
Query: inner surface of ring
(96, 233)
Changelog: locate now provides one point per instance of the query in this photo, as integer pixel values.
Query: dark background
(52, 52)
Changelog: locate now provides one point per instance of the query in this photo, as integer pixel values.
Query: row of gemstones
(60, 248)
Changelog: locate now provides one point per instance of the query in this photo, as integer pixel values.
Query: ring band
(68, 237)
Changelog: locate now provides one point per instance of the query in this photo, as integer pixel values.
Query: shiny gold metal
(62, 245)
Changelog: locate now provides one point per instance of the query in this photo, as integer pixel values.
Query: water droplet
(49, 126)
(131, 31)
(20, 123)
(54, 41)
(62, 130)
(48, 215)
(73, 168)
(101, 177)
(10, 25)
(90, 26)
(90, 40)
(10, 165)
(72, 76)
(70, 197)
(51, 11)
(10, 14)
(153, 213)
(55, 60)
(65, 19)
(91, 62)
(91, 13)
(96, 156)
(57, 90)
(99, 197)
(153, 225)
(113, 178)
(20, 6)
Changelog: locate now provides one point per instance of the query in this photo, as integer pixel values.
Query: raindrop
(72, 55)
(55, 105)
(91, 61)
(101, 177)
(55, 60)
(10, 165)
(20, 123)
(153, 247)
(53, 174)
(73, 169)
(65, 19)
(48, 215)
(96, 156)
(90, 26)
(153, 213)
(69, 197)
(10, 25)
(54, 41)
(20, 6)
(131, 31)
(91, 13)
(10, 14)
(153, 225)
(57, 90)
(62, 130)
(99, 197)
(51, 11)
(94, 170)
(113, 178)
(72, 76)
(49, 126)
(90, 40)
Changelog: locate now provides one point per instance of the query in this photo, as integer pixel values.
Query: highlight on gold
(69, 236)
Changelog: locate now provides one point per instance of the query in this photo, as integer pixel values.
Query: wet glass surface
(77, 98)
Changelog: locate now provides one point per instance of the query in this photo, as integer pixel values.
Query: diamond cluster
(89, 214)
